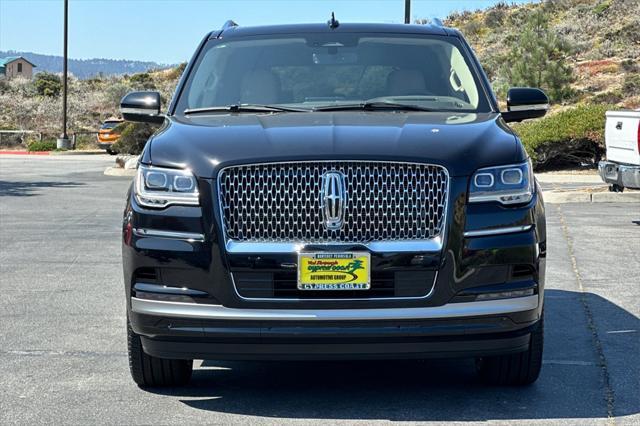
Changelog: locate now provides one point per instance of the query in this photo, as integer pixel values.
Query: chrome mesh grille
(281, 202)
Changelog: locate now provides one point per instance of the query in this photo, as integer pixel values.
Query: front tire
(518, 369)
(150, 371)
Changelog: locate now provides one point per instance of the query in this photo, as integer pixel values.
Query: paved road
(62, 340)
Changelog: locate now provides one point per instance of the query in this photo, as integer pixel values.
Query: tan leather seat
(406, 82)
(260, 87)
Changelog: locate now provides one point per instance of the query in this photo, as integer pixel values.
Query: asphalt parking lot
(63, 349)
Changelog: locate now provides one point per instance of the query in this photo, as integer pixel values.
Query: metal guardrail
(19, 132)
(80, 133)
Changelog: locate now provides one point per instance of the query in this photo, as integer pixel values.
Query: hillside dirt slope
(604, 36)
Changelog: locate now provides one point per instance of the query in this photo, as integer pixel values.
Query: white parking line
(567, 362)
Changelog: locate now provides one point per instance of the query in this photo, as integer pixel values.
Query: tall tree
(537, 58)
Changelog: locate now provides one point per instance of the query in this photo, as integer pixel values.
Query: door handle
(619, 125)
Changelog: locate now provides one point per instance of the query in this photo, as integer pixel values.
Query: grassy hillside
(37, 104)
(603, 38)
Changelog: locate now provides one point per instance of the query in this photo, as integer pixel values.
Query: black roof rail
(228, 24)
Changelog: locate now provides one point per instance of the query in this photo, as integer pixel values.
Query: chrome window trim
(424, 245)
(498, 231)
(188, 236)
(335, 299)
(219, 312)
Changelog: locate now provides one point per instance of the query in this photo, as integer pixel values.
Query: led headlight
(159, 187)
(512, 184)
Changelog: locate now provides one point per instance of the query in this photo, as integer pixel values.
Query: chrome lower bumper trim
(189, 236)
(497, 231)
(625, 175)
(430, 245)
(163, 289)
(450, 310)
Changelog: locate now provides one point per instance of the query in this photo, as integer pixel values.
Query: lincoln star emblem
(333, 200)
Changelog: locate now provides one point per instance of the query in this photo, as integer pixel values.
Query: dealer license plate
(334, 271)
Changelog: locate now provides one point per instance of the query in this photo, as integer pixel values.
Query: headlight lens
(159, 187)
(512, 184)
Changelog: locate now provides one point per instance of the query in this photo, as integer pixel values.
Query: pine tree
(537, 59)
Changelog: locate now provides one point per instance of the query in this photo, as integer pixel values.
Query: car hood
(462, 142)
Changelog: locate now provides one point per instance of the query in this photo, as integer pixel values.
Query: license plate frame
(326, 276)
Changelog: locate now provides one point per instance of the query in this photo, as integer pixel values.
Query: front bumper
(192, 331)
(488, 249)
(182, 330)
(278, 349)
(105, 145)
(218, 312)
(625, 176)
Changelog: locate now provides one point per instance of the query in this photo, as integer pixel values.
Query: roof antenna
(333, 23)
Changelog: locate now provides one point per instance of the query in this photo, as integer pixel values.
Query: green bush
(611, 97)
(86, 141)
(176, 73)
(602, 7)
(47, 84)
(4, 85)
(629, 65)
(133, 137)
(143, 80)
(44, 145)
(631, 85)
(494, 17)
(568, 138)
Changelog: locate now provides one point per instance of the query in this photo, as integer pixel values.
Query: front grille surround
(281, 202)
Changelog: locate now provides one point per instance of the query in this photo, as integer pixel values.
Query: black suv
(334, 192)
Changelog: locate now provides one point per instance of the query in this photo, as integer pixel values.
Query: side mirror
(142, 107)
(524, 103)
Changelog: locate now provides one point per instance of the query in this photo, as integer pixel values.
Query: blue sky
(167, 31)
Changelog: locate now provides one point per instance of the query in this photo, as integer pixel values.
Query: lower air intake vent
(521, 271)
(147, 275)
(283, 285)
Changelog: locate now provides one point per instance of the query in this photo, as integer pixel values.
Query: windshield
(324, 70)
(110, 124)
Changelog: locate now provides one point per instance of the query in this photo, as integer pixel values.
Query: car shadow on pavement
(571, 384)
(27, 189)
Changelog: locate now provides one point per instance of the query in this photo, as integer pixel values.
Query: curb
(118, 171)
(25, 152)
(569, 178)
(590, 197)
(87, 152)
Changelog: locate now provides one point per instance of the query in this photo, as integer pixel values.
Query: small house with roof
(16, 66)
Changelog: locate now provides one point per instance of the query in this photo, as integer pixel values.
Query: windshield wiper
(243, 108)
(372, 106)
